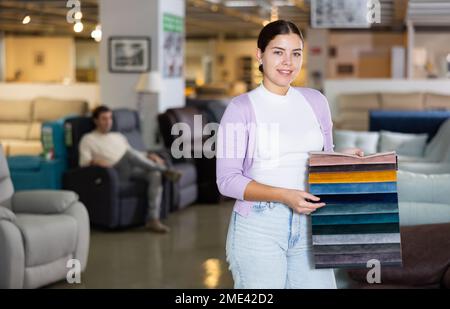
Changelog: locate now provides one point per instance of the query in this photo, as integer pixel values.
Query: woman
(273, 127)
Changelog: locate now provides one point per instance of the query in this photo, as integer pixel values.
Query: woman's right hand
(298, 201)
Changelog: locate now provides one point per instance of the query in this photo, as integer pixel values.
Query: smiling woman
(280, 54)
(270, 227)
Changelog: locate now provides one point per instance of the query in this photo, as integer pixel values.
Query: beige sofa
(21, 120)
(353, 109)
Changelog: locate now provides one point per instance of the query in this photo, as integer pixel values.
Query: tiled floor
(192, 255)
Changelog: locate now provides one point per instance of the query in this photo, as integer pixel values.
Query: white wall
(139, 18)
(28, 91)
(119, 18)
(333, 88)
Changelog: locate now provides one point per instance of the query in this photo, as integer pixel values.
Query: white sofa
(20, 121)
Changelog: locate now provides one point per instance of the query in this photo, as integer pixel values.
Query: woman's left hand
(354, 151)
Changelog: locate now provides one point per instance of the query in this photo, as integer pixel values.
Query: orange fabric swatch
(350, 177)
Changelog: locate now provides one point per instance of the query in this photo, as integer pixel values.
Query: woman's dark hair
(99, 110)
(273, 29)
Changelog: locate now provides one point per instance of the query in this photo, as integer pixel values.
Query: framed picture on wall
(129, 54)
(39, 58)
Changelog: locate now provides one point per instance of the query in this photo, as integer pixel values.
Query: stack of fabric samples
(360, 221)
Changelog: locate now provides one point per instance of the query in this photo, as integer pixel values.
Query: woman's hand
(354, 151)
(299, 201)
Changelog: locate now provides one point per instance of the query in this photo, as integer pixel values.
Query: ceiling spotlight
(78, 15)
(26, 20)
(97, 33)
(78, 27)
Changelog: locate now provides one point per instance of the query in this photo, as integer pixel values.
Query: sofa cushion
(423, 167)
(7, 214)
(426, 258)
(19, 147)
(5, 147)
(24, 163)
(362, 101)
(367, 141)
(403, 143)
(437, 101)
(415, 187)
(402, 101)
(34, 132)
(15, 110)
(11, 130)
(413, 159)
(353, 120)
(47, 237)
(414, 213)
(47, 109)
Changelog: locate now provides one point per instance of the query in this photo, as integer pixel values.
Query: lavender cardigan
(233, 173)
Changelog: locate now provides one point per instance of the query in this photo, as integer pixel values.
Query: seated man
(104, 148)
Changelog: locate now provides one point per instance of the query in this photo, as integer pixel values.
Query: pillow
(403, 143)
(367, 141)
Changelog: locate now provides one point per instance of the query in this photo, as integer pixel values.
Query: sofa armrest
(42, 201)
(414, 187)
(6, 214)
(76, 178)
(79, 212)
(12, 256)
(425, 167)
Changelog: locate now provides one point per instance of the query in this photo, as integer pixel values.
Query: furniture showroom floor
(192, 255)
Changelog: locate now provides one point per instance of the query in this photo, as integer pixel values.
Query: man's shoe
(157, 227)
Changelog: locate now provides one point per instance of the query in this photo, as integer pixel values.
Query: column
(162, 21)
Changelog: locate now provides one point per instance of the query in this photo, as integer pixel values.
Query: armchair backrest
(6, 186)
(185, 115)
(126, 121)
(74, 129)
(214, 108)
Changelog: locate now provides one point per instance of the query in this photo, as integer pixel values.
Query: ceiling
(245, 18)
(213, 18)
(429, 13)
(48, 17)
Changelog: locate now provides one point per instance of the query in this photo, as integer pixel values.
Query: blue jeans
(271, 248)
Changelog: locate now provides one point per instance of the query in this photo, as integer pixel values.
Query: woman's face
(282, 59)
